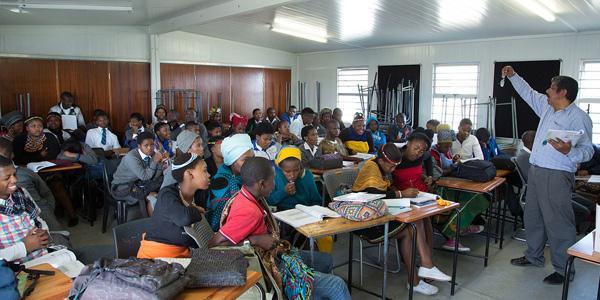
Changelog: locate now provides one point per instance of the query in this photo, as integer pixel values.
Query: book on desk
(37, 166)
(302, 215)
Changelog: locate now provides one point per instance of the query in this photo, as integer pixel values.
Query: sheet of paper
(295, 217)
(363, 156)
(69, 122)
(423, 197)
(348, 164)
(37, 166)
(565, 135)
(597, 233)
(317, 211)
(594, 179)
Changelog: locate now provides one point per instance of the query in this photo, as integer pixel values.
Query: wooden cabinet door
(277, 83)
(247, 90)
(130, 92)
(214, 84)
(21, 76)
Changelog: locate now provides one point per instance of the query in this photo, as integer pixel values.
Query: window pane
(348, 81)
(594, 112)
(455, 91)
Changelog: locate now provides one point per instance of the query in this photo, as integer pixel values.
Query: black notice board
(392, 76)
(538, 74)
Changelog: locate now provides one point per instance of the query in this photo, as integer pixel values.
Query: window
(455, 93)
(348, 80)
(589, 94)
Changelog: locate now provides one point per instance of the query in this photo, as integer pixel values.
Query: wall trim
(183, 62)
(60, 57)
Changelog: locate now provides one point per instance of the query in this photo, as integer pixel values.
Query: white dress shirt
(296, 127)
(94, 139)
(469, 149)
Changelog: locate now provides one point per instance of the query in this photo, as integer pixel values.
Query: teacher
(548, 212)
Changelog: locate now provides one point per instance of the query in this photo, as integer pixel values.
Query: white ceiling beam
(212, 13)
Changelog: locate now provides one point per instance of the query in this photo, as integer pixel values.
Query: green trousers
(471, 204)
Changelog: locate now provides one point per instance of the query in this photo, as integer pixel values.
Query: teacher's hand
(560, 145)
(508, 71)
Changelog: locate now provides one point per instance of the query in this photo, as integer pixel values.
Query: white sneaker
(424, 288)
(433, 273)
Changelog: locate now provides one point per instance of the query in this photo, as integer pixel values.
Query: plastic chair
(128, 237)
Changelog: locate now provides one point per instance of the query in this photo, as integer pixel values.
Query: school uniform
(102, 138)
(130, 140)
(136, 167)
(72, 111)
(269, 153)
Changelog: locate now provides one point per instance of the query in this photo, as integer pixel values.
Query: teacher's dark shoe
(521, 262)
(554, 279)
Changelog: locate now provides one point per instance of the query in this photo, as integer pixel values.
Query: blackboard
(391, 76)
(538, 74)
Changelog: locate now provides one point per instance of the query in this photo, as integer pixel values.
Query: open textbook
(63, 259)
(37, 166)
(565, 135)
(302, 215)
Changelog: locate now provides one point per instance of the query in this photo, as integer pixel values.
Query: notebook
(358, 197)
(37, 166)
(63, 259)
(564, 135)
(303, 215)
(363, 156)
(397, 206)
(423, 199)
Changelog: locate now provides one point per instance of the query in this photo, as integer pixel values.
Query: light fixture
(299, 25)
(20, 6)
(358, 18)
(19, 10)
(461, 13)
(538, 9)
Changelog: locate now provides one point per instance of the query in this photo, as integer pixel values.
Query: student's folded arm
(219, 239)
(139, 169)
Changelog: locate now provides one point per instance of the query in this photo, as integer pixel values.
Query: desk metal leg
(565, 292)
(411, 273)
(455, 256)
(503, 223)
(385, 258)
(494, 199)
(311, 241)
(350, 257)
(487, 236)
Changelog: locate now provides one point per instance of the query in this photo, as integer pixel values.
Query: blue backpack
(8, 282)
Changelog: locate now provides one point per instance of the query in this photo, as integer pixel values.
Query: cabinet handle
(28, 104)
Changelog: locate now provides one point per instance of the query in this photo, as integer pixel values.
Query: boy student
(66, 107)
(163, 143)
(160, 113)
(432, 125)
(399, 132)
(173, 120)
(216, 159)
(272, 117)
(187, 142)
(136, 126)
(306, 118)
(290, 115)
(466, 146)
(257, 118)
(101, 137)
(332, 143)
(247, 217)
(488, 144)
(263, 144)
(54, 126)
(214, 128)
(13, 122)
(325, 115)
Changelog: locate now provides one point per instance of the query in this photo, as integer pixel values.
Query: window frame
(581, 102)
(347, 116)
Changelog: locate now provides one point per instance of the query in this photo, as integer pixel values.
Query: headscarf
(370, 176)
(185, 140)
(288, 152)
(234, 146)
(238, 119)
(444, 136)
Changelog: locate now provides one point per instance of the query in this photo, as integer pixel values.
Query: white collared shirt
(94, 139)
(468, 149)
(312, 151)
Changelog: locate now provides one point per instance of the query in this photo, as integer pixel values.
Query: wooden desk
(503, 173)
(121, 151)
(420, 213)
(226, 293)
(62, 167)
(318, 172)
(51, 287)
(584, 250)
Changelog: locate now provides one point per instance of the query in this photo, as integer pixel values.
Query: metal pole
(28, 104)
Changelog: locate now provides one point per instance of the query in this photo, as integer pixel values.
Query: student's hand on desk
(560, 145)
(508, 71)
(410, 193)
(36, 239)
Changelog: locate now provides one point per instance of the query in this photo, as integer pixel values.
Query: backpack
(476, 170)
(296, 277)
(8, 282)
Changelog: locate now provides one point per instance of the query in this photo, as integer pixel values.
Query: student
(180, 204)
(272, 117)
(160, 113)
(187, 142)
(101, 137)
(466, 146)
(163, 142)
(324, 116)
(92, 123)
(372, 179)
(442, 154)
(13, 122)
(235, 149)
(356, 139)
(306, 118)
(283, 135)
(214, 128)
(310, 149)
(488, 144)
(140, 171)
(290, 115)
(409, 174)
(173, 120)
(332, 143)
(433, 124)
(215, 161)
(248, 218)
(35, 145)
(54, 126)
(257, 118)
(226, 128)
(592, 166)
(66, 107)
(379, 138)
(238, 123)
(293, 183)
(263, 144)
(74, 150)
(399, 131)
(24, 233)
(337, 115)
(136, 126)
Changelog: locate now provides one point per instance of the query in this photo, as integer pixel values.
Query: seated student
(263, 144)
(160, 113)
(36, 186)
(591, 167)
(332, 143)
(290, 115)
(257, 118)
(238, 124)
(74, 150)
(187, 142)
(337, 115)
(24, 234)
(226, 128)
(442, 154)
(136, 126)
(325, 116)
(163, 142)
(409, 174)
(173, 120)
(466, 146)
(523, 157)
(235, 149)
(214, 128)
(372, 179)
(306, 118)
(356, 139)
(283, 135)
(310, 149)
(247, 217)
(432, 125)
(13, 122)
(66, 107)
(54, 126)
(272, 117)
(379, 138)
(216, 159)
(140, 171)
(101, 137)
(92, 123)
(179, 204)
(399, 131)
(488, 144)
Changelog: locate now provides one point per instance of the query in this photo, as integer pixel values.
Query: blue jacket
(306, 191)
(379, 138)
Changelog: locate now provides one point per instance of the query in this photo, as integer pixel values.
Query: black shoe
(554, 279)
(521, 262)
(73, 221)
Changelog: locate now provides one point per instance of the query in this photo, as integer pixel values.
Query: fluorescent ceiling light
(21, 5)
(358, 18)
(299, 34)
(301, 26)
(461, 13)
(538, 9)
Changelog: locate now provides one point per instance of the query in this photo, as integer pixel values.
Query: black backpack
(476, 170)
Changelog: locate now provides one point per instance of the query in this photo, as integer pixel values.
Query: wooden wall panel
(177, 76)
(214, 83)
(130, 92)
(275, 88)
(247, 90)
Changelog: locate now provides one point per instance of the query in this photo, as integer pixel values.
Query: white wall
(571, 48)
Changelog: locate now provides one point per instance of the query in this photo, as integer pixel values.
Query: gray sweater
(133, 168)
(88, 156)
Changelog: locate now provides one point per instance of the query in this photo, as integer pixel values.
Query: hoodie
(379, 138)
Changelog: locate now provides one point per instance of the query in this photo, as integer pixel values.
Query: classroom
(300, 149)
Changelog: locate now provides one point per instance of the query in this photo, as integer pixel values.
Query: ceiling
(350, 24)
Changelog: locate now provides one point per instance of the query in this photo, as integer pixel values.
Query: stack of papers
(303, 215)
(363, 156)
(63, 259)
(397, 206)
(423, 199)
(565, 135)
(358, 197)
